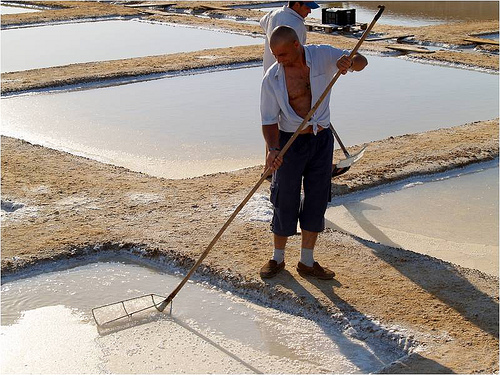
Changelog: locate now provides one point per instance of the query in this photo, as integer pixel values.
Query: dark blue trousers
(308, 161)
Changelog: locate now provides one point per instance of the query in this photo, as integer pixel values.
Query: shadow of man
(356, 210)
(366, 358)
(438, 278)
(444, 282)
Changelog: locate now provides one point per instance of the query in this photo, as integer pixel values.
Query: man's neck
(295, 12)
(301, 62)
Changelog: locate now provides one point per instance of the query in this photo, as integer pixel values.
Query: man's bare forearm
(271, 135)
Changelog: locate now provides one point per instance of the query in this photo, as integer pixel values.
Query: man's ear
(296, 6)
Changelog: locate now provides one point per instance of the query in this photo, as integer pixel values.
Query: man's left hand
(344, 63)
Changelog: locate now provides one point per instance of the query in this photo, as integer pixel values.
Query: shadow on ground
(437, 277)
(371, 357)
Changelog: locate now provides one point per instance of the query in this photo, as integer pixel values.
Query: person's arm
(269, 111)
(271, 136)
(357, 63)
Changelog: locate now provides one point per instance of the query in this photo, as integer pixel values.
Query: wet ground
(208, 330)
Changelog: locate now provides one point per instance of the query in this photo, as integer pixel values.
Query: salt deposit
(208, 332)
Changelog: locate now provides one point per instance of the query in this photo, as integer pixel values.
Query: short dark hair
(292, 3)
(283, 34)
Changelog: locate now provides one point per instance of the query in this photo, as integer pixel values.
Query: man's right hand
(273, 161)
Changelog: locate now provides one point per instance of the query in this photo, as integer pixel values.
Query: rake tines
(106, 314)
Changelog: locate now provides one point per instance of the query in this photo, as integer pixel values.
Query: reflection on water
(420, 13)
(246, 329)
(452, 216)
(45, 46)
(492, 36)
(206, 123)
(415, 13)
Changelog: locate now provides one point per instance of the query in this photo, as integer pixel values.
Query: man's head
(285, 45)
(303, 8)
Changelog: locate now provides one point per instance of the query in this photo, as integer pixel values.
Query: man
(292, 15)
(290, 88)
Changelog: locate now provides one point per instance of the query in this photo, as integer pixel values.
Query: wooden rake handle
(267, 172)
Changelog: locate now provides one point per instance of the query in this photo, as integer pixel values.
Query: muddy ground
(62, 206)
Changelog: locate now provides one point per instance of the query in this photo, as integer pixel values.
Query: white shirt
(274, 104)
(284, 16)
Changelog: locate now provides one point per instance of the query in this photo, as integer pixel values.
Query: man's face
(286, 53)
(302, 10)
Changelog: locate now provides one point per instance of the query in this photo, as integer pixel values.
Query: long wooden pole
(267, 172)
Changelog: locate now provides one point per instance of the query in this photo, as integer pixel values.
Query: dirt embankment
(107, 70)
(99, 71)
(59, 205)
(59, 11)
(72, 205)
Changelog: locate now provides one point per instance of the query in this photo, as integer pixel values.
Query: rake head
(137, 307)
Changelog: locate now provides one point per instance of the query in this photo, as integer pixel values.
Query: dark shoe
(316, 270)
(271, 269)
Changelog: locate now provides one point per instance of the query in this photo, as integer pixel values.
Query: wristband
(274, 149)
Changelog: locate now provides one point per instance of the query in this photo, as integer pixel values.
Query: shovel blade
(351, 159)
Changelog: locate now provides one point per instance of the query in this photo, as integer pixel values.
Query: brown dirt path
(66, 11)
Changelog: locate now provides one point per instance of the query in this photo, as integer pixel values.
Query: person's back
(291, 15)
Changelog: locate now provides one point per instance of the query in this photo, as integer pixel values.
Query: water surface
(207, 324)
(46, 46)
(4, 9)
(452, 216)
(206, 123)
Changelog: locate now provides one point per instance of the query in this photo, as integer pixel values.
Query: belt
(309, 130)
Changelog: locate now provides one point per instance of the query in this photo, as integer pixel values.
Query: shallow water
(492, 36)
(46, 46)
(452, 216)
(207, 326)
(415, 13)
(192, 125)
(15, 10)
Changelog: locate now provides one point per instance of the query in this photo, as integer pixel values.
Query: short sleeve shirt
(274, 104)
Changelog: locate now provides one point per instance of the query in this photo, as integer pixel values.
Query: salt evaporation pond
(205, 123)
(4, 9)
(54, 45)
(451, 216)
(415, 13)
(209, 331)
